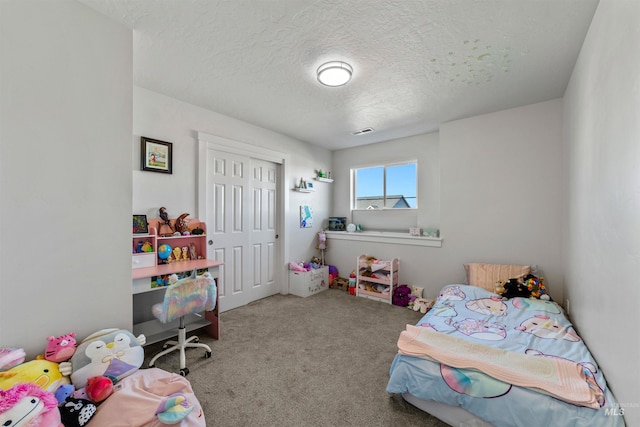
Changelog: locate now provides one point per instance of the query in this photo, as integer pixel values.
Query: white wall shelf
(318, 178)
(385, 237)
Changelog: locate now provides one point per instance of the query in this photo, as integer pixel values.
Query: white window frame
(384, 185)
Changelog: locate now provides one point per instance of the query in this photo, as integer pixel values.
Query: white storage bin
(305, 283)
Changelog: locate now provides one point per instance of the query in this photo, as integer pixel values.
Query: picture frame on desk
(140, 224)
(156, 155)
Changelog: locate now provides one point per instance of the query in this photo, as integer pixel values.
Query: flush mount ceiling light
(335, 73)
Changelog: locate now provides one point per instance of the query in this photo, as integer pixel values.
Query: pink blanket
(136, 398)
(558, 377)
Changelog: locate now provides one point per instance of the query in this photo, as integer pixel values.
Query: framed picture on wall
(140, 224)
(155, 155)
(306, 216)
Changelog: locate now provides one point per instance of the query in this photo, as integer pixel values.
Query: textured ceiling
(417, 63)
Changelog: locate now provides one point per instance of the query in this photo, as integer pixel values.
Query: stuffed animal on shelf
(369, 287)
(181, 224)
(165, 229)
(28, 405)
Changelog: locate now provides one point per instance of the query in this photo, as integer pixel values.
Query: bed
(477, 359)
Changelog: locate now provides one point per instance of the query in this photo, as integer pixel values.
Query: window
(390, 186)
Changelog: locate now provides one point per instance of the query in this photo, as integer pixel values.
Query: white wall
(602, 232)
(65, 182)
(498, 196)
(501, 189)
(161, 117)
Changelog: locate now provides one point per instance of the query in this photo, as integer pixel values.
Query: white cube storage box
(305, 283)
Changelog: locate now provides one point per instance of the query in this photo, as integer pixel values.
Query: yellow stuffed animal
(43, 373)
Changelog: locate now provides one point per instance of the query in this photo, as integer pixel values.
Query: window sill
(385, 237)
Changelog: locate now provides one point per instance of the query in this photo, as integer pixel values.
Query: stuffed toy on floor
(27, 405)
(422, 305)
(42, 373)
(110, 352)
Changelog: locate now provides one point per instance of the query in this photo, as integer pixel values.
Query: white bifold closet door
(241, 226)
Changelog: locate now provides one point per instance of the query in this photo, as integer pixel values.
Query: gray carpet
(288, 361)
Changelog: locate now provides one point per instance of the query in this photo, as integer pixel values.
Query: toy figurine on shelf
(192, 251)
(185, 253)
(165, 229)
(177, 252)
(181, 224)
(322, 244)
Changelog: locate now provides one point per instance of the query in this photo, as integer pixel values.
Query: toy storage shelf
(150, 259)
(144, 259)
(377, 279)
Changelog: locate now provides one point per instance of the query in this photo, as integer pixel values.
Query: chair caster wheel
(152, 366)
(207, 354)
(166, 346)
(196, 340)
(184, 372)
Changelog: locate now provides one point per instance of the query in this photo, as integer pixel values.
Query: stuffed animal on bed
(110, 352)
(27, 405)
(514, 288)
(536, 287)
(500, 287)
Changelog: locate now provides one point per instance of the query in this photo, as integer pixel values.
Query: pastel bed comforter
(512, 363)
